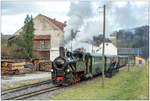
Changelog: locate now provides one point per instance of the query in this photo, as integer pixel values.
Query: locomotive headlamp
(51, 70)
(68, 70)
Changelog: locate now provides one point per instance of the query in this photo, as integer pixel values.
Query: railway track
(24, 87)
(31, 94)
(34, 93)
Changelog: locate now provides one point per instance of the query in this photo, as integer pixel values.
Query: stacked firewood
(15, 68)
(22, 67)
(45, 66)
(23, 71)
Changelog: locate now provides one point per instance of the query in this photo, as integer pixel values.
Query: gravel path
(22, 79)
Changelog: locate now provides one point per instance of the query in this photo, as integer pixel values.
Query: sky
(14, 13)
(119, 15)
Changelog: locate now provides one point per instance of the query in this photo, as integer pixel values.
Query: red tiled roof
(11, 38)
(37, 37)
(57, 23)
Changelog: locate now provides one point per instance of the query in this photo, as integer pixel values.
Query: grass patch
(25, 83)
(124, 85)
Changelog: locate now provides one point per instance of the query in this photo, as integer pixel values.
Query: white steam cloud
(119, 15)
(78, 13)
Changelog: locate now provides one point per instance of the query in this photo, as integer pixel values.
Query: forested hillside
(132, 38)
(135, 38)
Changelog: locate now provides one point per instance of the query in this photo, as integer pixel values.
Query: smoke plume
(78, 13)
(119, 15)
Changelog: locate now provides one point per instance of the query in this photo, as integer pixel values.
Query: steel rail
(24, 87)
(31, 94)
(35, 93)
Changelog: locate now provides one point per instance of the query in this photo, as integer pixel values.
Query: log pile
(11, 68)
(23, 71)
(45, 66)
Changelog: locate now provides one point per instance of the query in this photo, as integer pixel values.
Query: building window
(43, 44)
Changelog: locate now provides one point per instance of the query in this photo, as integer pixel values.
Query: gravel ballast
(8, 82)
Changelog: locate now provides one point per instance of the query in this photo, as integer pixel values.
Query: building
(129, 51)
(139, 60)
(48, 34)
(110, 48)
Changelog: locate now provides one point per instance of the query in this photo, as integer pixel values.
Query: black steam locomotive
(75, 66)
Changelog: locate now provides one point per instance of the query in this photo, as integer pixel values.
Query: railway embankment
(125, 85)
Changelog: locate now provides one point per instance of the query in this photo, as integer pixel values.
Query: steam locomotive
(75, 66)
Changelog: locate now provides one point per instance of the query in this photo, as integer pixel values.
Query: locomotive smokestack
(62, 51)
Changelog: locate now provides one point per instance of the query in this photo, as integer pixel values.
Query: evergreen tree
(28, 36)
(25, 39)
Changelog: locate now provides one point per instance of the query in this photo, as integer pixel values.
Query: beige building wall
(43, 26)
(110, 49)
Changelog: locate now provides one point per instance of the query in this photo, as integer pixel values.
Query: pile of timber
(23, 71)
(45, 66)
(10, 68)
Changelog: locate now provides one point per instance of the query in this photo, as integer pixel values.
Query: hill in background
(132, 38)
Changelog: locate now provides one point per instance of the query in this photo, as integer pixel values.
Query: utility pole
(92, 48)
(103, 51)
(129, 52)
(71, 45)
(128, 63)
